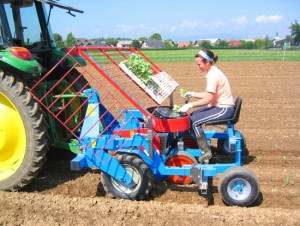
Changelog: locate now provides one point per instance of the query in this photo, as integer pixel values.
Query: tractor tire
(23, 132)
(140, 173)
(223, 147)
(238, 186)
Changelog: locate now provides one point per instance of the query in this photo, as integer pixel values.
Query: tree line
(222, 44)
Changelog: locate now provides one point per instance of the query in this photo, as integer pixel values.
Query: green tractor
(27, 52)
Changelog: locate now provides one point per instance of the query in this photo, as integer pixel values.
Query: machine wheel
(180, 158)
(239, 186)
(23, 132)
(140, 173)
(223, 147)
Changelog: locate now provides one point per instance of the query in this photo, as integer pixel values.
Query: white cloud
(68, 30)
(173, 29)
(218, 24)
(183, 26)
(128, 28)
(189, 24)
(241, 20)
(96, 32)
(270, 19)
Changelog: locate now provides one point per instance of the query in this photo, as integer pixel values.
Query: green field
(187, 55)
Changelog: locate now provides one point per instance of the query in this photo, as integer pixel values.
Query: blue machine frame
(96, 146)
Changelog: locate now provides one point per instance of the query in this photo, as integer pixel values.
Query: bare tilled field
(270, 123)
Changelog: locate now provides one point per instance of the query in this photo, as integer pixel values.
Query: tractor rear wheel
(23, 132)
(140, 173)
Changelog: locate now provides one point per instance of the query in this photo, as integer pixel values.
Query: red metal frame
(82, 52)
(104, 74)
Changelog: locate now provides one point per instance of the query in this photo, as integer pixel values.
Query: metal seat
(235, 117)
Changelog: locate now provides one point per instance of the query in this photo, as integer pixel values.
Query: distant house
(102, 43)
(84, 42)
(87, 42)
(153, 44)
(282, 42)
(234, 43)
(184, 44)
(124, 43)
(212, 41)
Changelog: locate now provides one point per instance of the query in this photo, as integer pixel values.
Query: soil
(270, 123)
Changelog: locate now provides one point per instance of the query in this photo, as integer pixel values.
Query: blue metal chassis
(97, 146)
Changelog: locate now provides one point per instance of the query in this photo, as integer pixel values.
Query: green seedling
(176, 108)
(257, 159)
(139, 67)
(182, 92)
(286, 180)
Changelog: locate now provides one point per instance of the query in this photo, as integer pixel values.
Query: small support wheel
(140, 173)
(239, 186)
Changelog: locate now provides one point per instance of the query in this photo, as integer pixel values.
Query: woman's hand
(185, 107)
(189, 94)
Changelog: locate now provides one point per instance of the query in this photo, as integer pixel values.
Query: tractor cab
(26, 24)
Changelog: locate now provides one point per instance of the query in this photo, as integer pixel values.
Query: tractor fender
(16, 65)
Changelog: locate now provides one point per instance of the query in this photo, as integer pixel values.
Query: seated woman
(214, 103)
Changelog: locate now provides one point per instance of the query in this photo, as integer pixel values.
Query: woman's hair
(207, 55)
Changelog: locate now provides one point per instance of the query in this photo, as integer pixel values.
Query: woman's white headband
(205, 56)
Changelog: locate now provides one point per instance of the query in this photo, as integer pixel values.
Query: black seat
(235, 117)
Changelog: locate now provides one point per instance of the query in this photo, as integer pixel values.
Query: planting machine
(109, 118)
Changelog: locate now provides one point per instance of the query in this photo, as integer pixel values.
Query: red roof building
(183, 44)
(234, 43)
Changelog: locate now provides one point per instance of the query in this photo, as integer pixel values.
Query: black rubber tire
(222, 147)
(35, 127)
(238, 178)
(142, 178)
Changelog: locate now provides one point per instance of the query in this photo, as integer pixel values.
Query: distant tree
(222, 44)
(135, 43)
(57, 37)
(295, 32)
(169, 44)
(71, 41)
(155, 36)
(111, 41)
(248, 45)
(58, 40)
(263, 43)
(205, 44)
(142, 38)
(288, 36)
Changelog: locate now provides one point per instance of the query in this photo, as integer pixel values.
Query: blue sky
(177, 20)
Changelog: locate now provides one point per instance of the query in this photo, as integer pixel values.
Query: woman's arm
(204, 99)
(199, 95)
